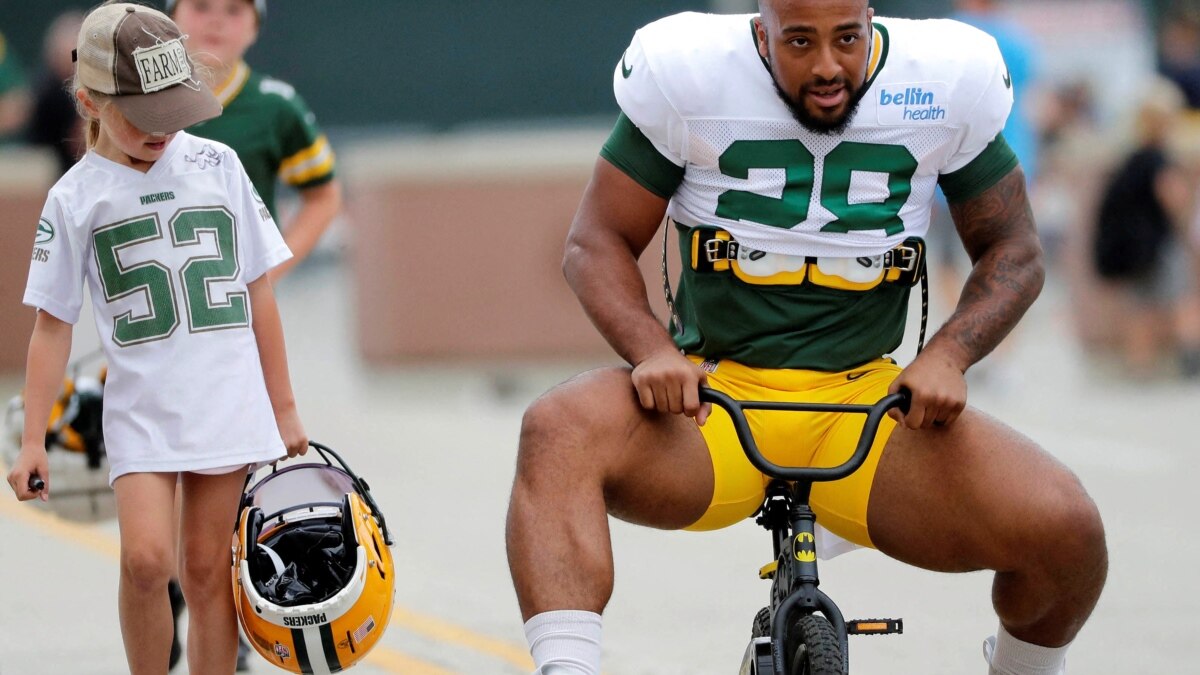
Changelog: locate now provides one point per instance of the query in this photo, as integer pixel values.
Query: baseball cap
(260, 6)
(135, 54)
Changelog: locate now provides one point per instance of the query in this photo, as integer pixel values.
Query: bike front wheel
(814, 647)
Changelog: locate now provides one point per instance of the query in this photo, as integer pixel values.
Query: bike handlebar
(737, 413)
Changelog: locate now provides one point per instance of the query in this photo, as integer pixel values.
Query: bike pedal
(874, 626)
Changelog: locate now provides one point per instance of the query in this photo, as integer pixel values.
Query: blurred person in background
(269, 126)
(1179, 50)
(1077, 156)
(1019, 52)
(54, 123)
(265, 120)
(1141, 249)
(14, 97)
(1073, 155)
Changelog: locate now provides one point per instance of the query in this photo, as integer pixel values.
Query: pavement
(438, 444)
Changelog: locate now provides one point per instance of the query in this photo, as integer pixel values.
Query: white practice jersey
(168, 256)
(694, 84)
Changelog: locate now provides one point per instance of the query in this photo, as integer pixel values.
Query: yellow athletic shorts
(795, 439)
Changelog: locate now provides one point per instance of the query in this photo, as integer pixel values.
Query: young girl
(175, 245)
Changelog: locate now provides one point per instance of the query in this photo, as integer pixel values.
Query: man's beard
(819, 126)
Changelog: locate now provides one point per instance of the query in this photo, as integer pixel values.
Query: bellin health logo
(916, 103)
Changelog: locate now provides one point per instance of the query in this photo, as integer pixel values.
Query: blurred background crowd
(1106, 124)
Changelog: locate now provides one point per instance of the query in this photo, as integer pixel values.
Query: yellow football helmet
(312, 566)
(76, 418)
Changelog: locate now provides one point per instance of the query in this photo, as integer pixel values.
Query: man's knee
(552, 415)
(566, 428)
(1068, 529)
(1077, 527)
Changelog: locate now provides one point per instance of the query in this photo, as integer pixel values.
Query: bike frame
(794, 588)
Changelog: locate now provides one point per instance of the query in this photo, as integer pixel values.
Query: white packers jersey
(937, 95)
(168, 256)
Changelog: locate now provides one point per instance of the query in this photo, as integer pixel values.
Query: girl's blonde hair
(93, 123)
(101, 100)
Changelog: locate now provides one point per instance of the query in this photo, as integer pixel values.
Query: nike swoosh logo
(1007, 79)
(854, 376)
(626, 71)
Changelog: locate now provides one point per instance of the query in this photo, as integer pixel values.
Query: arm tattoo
(998, 232)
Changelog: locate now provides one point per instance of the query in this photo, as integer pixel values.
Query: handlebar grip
(36, 483)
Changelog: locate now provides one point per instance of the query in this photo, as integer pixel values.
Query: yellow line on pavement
(384, 657)
(444, 631)
(47, 522)
(396, 662)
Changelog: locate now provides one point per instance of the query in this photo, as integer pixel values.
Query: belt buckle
(716, 250)
(903, 258)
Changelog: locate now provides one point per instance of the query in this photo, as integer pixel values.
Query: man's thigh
(654, 468)
(965, 497)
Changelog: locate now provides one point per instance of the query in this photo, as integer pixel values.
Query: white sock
(564, 642)
(1009, 656)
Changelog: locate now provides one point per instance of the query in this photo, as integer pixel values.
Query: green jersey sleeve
(10, 69)
(308, 159)
(994, 163)
(628, 149)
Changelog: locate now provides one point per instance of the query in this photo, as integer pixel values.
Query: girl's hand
(292, 433)
(30, 462)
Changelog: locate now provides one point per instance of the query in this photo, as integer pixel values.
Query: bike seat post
(804, 543)
(801, 492)
(775, 514)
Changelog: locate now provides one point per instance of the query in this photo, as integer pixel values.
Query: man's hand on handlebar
(938, 390)
(668, 382)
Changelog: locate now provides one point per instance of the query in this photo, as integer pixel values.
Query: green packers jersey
(273, 132)
(790, 238)
(10, 70)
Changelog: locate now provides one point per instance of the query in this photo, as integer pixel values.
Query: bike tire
(814, 648)
(762, 624)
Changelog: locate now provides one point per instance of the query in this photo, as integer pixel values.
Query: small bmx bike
(801, 631)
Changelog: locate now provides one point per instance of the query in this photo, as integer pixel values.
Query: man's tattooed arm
(998, 232)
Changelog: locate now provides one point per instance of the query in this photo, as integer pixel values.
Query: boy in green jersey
(269, 126)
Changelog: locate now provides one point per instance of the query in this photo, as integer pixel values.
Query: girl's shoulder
(191, 145)
(203, 154)
(83, 181)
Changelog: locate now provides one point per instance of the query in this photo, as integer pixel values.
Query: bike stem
(796, 582)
